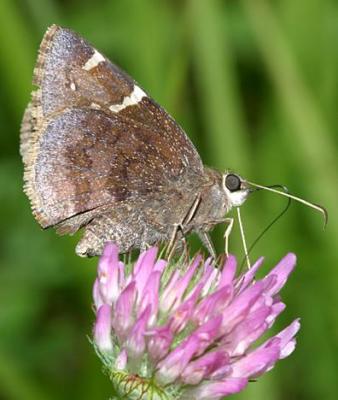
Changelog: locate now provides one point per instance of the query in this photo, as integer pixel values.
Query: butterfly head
(235, 188)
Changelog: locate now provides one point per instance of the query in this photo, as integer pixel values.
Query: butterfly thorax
(212, 203)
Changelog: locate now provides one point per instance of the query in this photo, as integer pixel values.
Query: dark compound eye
(232, 182)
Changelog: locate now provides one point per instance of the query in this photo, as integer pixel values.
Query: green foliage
(254, 83)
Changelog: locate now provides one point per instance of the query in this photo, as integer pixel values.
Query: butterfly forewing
(71, 73)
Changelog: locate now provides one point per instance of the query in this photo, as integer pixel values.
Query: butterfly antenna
(272, 188)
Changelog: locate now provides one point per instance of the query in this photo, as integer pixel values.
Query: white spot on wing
(95, 106)
(94, 60)
(73, 86)
(135, 97)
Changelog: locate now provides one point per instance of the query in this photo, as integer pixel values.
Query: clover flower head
(187, 330)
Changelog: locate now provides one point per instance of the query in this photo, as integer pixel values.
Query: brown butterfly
(99, 153)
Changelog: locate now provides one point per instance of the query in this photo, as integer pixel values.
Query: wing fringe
(31, 129)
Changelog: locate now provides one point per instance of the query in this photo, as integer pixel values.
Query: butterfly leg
(180, 226)
(206, 240)
(173, 241)
(227, 232)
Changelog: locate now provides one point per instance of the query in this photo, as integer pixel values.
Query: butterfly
(100, 154)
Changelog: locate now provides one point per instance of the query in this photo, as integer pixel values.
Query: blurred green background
(255, 85)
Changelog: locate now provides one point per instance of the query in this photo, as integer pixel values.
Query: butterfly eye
(232, 182)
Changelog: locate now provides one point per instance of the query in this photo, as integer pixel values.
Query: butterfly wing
(92, 136)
